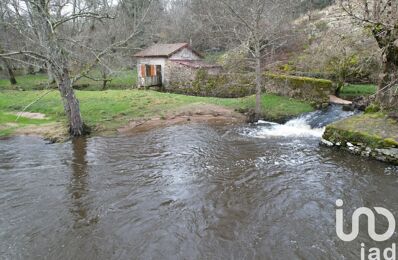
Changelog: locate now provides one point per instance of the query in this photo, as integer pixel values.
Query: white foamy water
(298, 127)
(307, 125)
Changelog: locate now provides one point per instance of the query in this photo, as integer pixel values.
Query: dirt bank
(198, 113)
(54, 132)
(31, 115)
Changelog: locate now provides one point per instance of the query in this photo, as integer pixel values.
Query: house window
(148, 70)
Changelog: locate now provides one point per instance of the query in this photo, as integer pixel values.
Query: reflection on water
(79, 183)
(189, 192)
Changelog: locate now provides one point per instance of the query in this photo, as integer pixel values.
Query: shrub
(372, 108)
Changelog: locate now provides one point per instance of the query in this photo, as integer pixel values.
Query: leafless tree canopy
(259, 26)
(69, 38)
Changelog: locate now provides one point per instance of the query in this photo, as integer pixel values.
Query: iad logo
(371, 223)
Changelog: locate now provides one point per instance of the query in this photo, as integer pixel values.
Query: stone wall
(303, 88)
(179, 73)
(202, 82)
(208, 82)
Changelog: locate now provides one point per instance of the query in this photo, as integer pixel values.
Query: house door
(159, 74)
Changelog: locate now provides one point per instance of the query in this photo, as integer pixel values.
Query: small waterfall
(307, 125)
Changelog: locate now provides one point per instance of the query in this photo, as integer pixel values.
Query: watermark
(373, 253)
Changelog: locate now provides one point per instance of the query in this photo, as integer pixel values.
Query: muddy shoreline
(208, 114)
(193, 114)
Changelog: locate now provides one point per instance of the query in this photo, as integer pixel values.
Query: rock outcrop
(369, 135)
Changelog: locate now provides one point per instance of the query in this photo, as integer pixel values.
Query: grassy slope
(107, 110)
(354, 90)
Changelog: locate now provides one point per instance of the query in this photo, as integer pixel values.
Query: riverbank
(373, 135)
(109, 112)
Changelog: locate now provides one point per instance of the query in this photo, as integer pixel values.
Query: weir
(307, 125)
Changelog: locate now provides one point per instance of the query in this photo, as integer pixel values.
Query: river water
(188, 192)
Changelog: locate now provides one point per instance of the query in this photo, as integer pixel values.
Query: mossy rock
(342, 136)
(389, 142)
(372, 130)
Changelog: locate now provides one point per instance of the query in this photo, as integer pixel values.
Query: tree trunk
(387, 94)
(387, 39)
(57, 60)
(50, 75)
(340, 84)
(105, 80)
(258, 84)
(10, 72)
(11, 75)
(71, 104)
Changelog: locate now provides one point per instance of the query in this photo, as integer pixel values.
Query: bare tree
(9, 70)
(57, 37)
(5, 62)
(381, 17)
(258, 25)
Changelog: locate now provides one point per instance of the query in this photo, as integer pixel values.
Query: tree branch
(81, 15)
(112, 46)
(28, 53)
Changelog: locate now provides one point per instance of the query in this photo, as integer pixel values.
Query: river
(188, 192)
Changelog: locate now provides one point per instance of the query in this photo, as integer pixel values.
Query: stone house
(162, 64)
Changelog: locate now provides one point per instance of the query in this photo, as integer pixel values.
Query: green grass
(6, 118)
(10, 122)
(353, 90)
(120, 80)
(27, 82)
(107, 110)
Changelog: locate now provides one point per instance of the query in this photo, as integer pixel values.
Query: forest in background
(154, 21)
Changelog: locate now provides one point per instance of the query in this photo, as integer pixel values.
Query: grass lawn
(354, 90)
(120, 80)
(108, 110)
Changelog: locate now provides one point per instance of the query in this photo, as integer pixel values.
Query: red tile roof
(162, 50)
